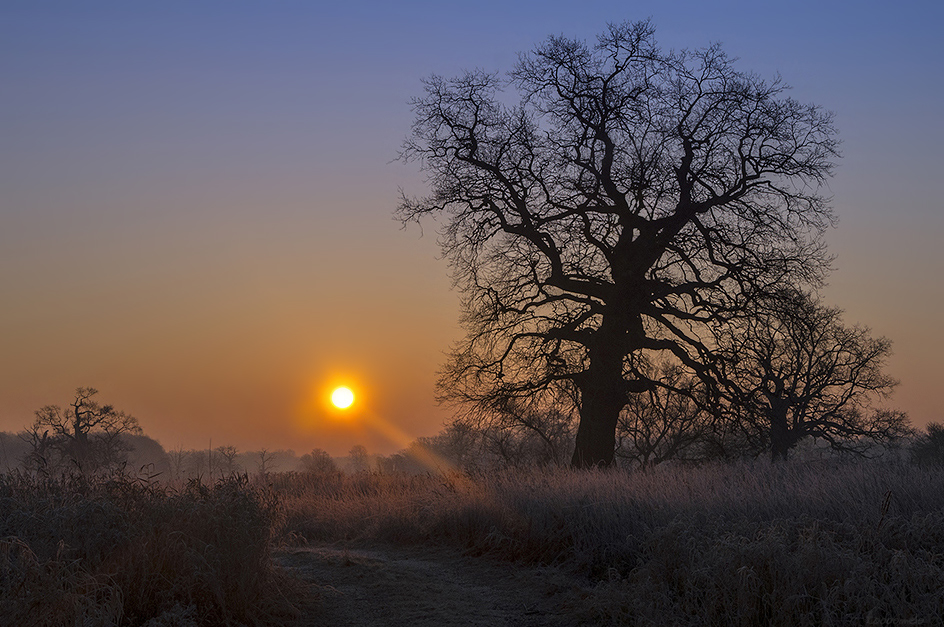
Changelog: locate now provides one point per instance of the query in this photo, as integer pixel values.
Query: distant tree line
(668, 424)
(90, 438)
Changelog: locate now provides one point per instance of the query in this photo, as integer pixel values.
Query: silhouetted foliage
(632, 198)
(358, 458)
(318, 462)
(85, 437)
(928, 448)
(113, 550)
(796, 371)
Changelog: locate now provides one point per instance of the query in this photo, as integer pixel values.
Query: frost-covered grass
(116, 551)
(739, 544)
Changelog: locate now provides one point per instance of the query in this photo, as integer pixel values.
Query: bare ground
(416, 586)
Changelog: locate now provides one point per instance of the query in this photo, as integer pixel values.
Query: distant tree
(266, 462)
(633, 198)
(227, 463)
(318, 462)
(197, 463)
(359, 458)
(178, 460)
(85, 436)
(463, 443)
(13, 450)
(147, 457)
(798, 371)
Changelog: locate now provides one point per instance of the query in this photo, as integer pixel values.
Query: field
(824, 543)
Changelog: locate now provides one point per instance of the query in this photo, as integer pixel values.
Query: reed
(738, 544)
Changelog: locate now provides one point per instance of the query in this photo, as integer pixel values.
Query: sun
(342, 397)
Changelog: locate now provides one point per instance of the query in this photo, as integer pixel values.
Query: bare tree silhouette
(667, 422)
(266, 462)
(228, 464)
(797, 371)
(86, 436)
(631, 199)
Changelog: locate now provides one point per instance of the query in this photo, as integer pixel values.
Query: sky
(196, 198)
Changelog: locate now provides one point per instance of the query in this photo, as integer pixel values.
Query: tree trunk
(781, 440)
(596, 434)
(602, 398)
(80, 443)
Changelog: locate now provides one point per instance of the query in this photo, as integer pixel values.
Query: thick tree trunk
(602, 397)
(80, 444)
(781, 440)
(596, 434)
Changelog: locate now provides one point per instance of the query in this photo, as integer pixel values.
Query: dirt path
(395, 586)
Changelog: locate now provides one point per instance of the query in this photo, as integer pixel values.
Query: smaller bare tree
(359, 458)
(266, 462)
(794, 370)
(86, 436)
(227, 463)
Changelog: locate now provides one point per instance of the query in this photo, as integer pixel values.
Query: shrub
(116, 551)
(929, 448)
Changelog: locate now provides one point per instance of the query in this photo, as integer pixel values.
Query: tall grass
(111, 552)
(741, 544)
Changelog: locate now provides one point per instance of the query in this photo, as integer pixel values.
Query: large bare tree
(630, 198)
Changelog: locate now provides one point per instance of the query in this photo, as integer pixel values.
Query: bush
(929, 448)
(116, 551)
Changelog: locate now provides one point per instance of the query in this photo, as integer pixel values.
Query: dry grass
(121, 552)
(743, 544)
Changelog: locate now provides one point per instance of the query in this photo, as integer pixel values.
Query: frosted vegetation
(136, 535)
(750, 542)
(735, 544)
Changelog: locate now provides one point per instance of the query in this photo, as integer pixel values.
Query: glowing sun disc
(342, 398)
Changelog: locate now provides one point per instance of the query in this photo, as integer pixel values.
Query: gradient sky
(196, 198)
